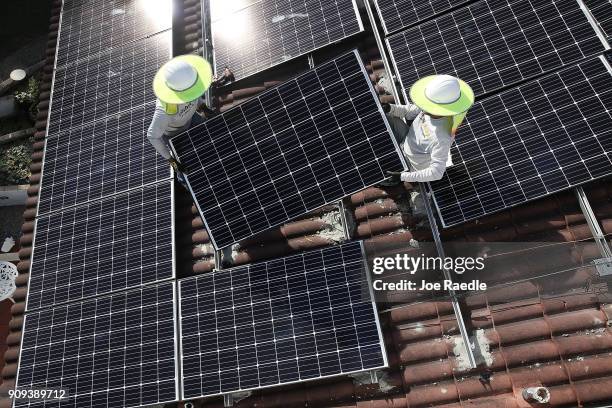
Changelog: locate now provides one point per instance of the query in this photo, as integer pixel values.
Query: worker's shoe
(384, 85)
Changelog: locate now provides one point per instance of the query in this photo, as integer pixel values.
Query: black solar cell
(118, 243)
(107, 83)
(297, 318)
(398, 14)
(542, 137)
(269, 32)
(602, 12)
(100, 25)
(295, 148)
(114, 351)
(491, 45)
(100, 159)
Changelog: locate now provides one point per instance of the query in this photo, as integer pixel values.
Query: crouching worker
(425, 129)
(179, 85)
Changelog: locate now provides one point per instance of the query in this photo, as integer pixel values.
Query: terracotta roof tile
(561, 342)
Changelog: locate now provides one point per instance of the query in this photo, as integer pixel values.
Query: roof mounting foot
(349, 225)
(228, 400)
(374, 376)
(603, 266)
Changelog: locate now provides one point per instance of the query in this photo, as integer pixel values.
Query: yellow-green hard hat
(442, 95)
(182, 79)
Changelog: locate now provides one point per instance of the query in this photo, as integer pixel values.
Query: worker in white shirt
(179, 85)
(425, 129)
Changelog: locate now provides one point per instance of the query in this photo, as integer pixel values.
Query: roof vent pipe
(538, 395)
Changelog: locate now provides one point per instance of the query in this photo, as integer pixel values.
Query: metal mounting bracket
(603, 266)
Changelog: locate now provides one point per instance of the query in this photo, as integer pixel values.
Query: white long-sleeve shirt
(427, 144)
(163, 125)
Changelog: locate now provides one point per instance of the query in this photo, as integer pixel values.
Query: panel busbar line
(601, 10)
(100, 159)
(542, 137)
(107, 83)
(113, 351)
(291, 319)
(491, 45)
(96, 27)
(104, 246)
(295, 148)
(398, 14)
(269, 32)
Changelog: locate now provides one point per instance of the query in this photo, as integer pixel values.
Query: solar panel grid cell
(291, 319)
(104, 246)
(114, 351)
(398, 14)
(107, 83)
(100, 159)
(491, 45)
(295, 148)
(96, 27)
(602, 12)
(269, 32)
(533, 140)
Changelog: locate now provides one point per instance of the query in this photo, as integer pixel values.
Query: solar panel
(222, 8)
(269, 32)
(295, 148)
(291, 319)
(104, 246)
(114, 351)
(98, 26)
(68, 4)
(398, 14)
(537, 139)
(602, 12)
(491, 45)
(107, 83)
(100, 159)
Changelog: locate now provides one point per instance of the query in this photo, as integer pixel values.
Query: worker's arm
(437, 166)
(408, 112)
(156, 131)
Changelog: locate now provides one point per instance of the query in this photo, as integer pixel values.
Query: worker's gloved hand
(386, 107)
(394, 176)
(176, 165)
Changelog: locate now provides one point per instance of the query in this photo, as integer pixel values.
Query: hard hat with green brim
(442, 95)
(182, 79)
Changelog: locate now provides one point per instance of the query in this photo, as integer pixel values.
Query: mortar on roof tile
(334, 231)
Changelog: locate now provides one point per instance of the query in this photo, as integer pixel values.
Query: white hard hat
(179, 75)
(443, 89)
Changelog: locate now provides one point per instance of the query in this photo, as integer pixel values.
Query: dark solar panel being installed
(68, 4)
(114, 351)
(107, 83)
(295, 148)
(494, 44)
(118, 243)
(398, 14)
(99, 159)
(291, 319)
(542, 137)
(98, 26)
(602, 12)
(269, 32)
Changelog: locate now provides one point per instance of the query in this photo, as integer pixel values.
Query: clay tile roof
(526, 338)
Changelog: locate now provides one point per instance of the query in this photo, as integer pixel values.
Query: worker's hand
(394, 176)
(175, 165)
(386, 107)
